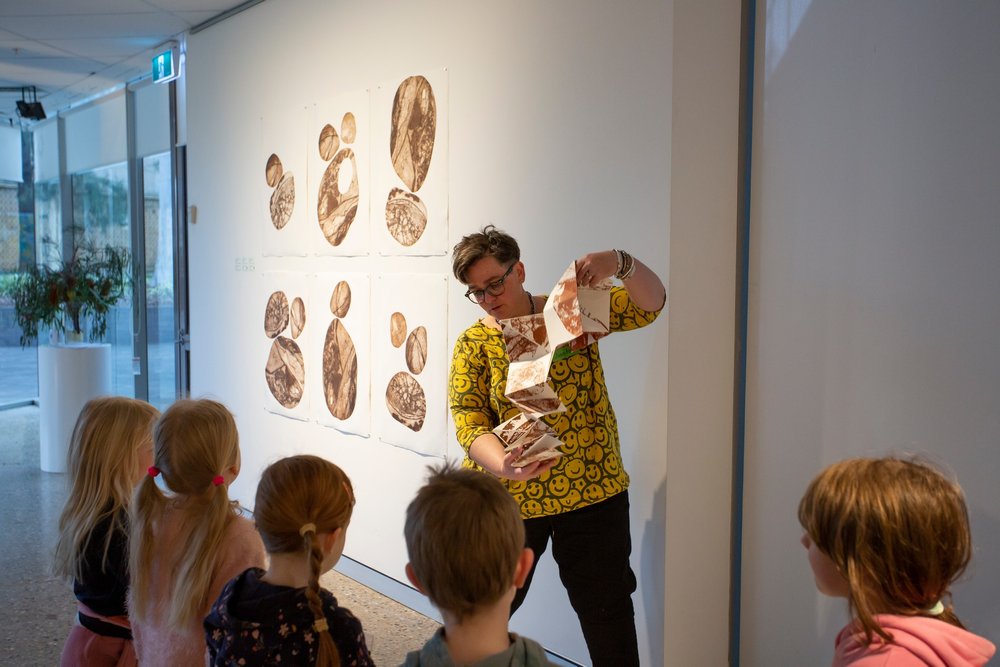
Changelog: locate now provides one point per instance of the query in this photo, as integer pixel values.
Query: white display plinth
(68, 376)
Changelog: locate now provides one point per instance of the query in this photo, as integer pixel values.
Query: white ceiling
(71, 50)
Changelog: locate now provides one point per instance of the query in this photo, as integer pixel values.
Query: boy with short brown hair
(465, 540)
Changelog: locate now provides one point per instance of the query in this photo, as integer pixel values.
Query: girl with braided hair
(187, 537)
(281, 615)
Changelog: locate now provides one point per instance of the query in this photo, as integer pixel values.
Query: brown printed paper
(574, 316)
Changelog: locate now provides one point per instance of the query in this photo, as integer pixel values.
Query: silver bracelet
(626, 267)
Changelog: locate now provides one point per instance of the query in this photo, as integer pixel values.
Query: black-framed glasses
(495, 288)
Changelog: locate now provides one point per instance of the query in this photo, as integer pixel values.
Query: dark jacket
(257, 623)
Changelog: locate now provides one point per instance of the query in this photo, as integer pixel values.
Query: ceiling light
(30, 110)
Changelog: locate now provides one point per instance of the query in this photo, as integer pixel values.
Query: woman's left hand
(594, 267)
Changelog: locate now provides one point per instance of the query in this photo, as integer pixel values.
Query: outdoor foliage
(61, 296)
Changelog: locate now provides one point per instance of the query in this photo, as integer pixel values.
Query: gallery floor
(38, 609)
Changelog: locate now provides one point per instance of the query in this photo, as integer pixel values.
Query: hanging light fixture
(30, 110)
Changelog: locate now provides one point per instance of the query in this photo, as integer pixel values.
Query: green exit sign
(165, 66)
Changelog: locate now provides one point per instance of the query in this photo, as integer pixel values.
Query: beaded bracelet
(626, 265)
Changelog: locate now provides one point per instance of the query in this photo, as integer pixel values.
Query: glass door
(100, 219)
(161, 325)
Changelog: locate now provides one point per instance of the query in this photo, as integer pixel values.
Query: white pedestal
(68, 376)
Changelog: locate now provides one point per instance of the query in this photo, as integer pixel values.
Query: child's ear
(412, 576)
(327, 541)
(523, 569)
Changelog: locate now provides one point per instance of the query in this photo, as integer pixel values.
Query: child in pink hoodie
(187, 537)
(891, 536)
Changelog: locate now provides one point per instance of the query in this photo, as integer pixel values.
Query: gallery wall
(557, 131)
(875, 287)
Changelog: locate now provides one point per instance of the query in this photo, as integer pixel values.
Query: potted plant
(65, 295)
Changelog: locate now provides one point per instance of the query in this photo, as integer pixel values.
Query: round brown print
(272, 171)
(340, 300)
(285, 372)
(298, 317)
(340, 371)
(416, 350)
(411, 137)
(406, 401)
(329, 142)
(283, 201)
(349, 128)
(405, 216)
(336, 210)
(397, 329)
(276, 314)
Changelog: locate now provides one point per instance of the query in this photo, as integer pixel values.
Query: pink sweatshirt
(156, 643)
(918, 641)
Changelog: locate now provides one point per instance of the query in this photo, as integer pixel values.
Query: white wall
(559, 134)
(875, 284)
(703, 223)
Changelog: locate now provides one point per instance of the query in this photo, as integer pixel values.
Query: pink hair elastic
(217, 480)
(153, 471)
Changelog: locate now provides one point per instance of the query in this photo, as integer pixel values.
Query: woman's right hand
(523, 473)
(488, 451)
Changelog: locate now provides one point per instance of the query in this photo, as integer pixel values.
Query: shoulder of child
(241, 548)
(346, 630)
(530, 652)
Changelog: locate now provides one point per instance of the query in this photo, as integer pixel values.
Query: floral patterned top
(257, 623)
(590, 469)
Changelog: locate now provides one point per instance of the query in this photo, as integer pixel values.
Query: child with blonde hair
(465, 539)
(109, 452)
(187, 539)
(281, 615)
(892, 536)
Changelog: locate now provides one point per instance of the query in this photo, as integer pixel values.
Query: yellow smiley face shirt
(590, 469)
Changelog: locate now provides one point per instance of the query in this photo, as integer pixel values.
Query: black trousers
(591, 546)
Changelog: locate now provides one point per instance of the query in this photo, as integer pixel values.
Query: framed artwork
(340, 352)
(280, 181)
(284, 308)
(339, 146)
(409, 208)
(409, 345)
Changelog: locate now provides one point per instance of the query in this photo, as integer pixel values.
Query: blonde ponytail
(194, 441)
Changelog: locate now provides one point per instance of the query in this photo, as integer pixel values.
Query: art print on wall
(340, 352)
(409, 345)
(409, 206)
(284, 335)
(339, 145)
(280, 179)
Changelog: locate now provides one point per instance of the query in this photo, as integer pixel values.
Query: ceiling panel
(47, 8)
(108, 50)
(14, 50)
(95, 26)
(213, 7)
(73, 49)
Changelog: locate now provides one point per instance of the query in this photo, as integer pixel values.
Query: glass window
(101, 218)
(19, 366)
(159, 236)
(48, 222)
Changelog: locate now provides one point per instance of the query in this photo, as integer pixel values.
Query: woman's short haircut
(491, 242)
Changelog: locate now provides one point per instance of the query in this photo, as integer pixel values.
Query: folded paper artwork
(573, 317)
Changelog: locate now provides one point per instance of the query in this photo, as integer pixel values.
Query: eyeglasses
(495, 288)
